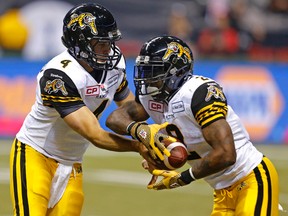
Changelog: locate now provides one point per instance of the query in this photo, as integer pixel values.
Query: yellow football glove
(149, 136)
(171, 179)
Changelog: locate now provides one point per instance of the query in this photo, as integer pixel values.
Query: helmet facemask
(98, 60)
(149, 78)
(162, 67)
(158, 79)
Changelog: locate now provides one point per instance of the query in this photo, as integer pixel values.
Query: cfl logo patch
(156, 106)
(143, 134)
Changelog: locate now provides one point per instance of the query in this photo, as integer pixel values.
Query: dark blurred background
(237, 29)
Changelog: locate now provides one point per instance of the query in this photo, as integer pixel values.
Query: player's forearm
(120, 118)
(86, 124)
(118, 124)
(210, 164)
(114, 142)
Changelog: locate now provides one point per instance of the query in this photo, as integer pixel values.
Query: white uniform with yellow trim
(182, 120)
(46, 131)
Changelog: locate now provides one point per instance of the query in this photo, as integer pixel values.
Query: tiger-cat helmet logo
(175, 48)
(83, 20)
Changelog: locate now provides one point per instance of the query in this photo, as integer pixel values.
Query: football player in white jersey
(245, 182)
(73, 89)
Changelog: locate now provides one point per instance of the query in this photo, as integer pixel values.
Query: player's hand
(147, 165)
(171, 179)
(150, 167)
(149, 136)
(143, 151)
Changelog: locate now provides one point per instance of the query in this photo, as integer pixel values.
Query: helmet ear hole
(174, 60)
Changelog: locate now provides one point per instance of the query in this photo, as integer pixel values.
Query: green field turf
(115, 185)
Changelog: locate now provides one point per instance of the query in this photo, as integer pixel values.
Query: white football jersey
(64, 86)
(199, 102)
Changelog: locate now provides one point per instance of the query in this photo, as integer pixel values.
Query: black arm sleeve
(59, 91)
(123, 90)
(209, 104)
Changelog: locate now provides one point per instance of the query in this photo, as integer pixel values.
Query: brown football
(177, 158)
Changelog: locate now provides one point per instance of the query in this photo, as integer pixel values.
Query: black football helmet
(162, 67)
(91, 21)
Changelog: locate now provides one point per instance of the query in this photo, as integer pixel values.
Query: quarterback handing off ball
(177, 158)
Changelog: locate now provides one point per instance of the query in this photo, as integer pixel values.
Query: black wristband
(129, 127)
(186, 176)
(136, 134)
